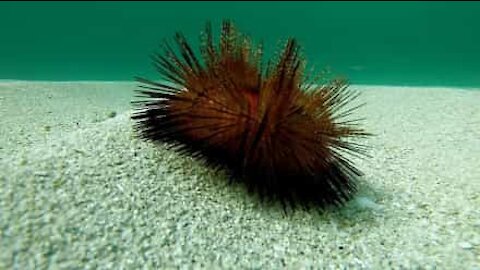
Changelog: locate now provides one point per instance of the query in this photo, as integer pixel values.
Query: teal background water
(393, 43)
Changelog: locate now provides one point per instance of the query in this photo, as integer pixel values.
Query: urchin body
(274, 128)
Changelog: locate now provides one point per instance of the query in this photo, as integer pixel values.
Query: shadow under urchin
(284, 133)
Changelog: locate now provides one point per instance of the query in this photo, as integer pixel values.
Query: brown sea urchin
(281, 132)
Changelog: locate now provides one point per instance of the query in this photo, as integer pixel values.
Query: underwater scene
(240, 135)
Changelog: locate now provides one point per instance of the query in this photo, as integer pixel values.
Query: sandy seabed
(78, 190)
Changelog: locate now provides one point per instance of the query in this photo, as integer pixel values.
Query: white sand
(78, 190)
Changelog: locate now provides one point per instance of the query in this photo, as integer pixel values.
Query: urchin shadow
(220, 183)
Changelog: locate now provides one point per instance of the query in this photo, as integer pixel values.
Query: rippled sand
(77, 189)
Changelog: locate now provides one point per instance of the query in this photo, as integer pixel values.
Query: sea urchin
(281, 132)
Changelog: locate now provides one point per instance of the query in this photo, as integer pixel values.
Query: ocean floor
(78, 190)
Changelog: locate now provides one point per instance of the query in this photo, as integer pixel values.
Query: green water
(393, 43)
